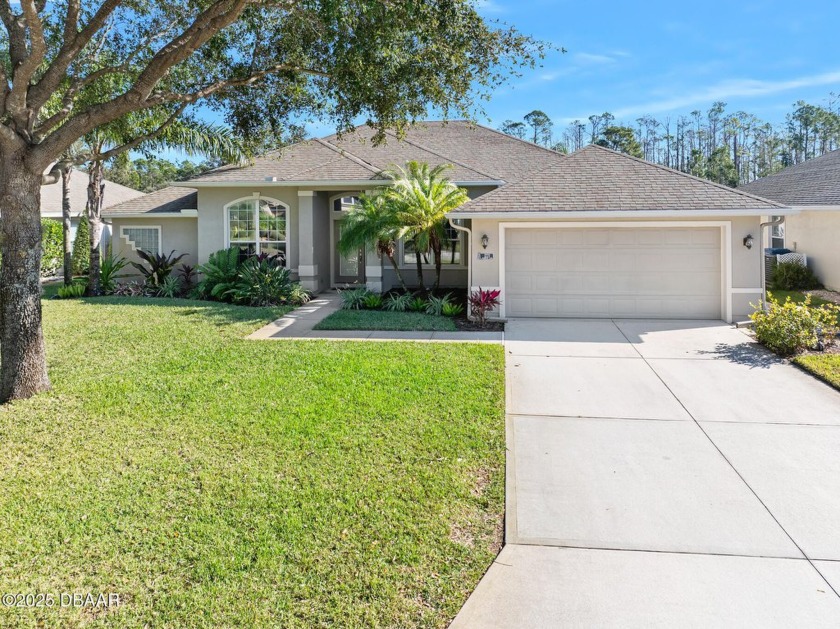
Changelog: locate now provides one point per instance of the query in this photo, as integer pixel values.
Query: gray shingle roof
(814, 182)
(51, 195)
(596, 178)
(476, 153)
(169, 199)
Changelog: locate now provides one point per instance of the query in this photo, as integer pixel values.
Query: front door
(349, 267)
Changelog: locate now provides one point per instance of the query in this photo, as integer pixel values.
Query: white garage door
(613, 272)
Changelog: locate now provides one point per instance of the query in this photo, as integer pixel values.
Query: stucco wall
(816, 233)
(321, 240)
(177, 234)
(211, 217)
(746, 263)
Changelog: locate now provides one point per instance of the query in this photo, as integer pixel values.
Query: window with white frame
(146, 238)
(452, 251)
(777, 234)
(257, 226)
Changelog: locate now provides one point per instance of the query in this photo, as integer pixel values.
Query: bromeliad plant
(353, 298)
(157, 267)
(261, 281)
(483, 301)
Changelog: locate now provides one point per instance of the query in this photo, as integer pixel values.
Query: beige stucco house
(593, 234)
(813, 188)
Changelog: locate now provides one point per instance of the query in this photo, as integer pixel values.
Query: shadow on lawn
(214, 312)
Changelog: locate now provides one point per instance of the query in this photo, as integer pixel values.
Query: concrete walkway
(663, 474)
(301, 322)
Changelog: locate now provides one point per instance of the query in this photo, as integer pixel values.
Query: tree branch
(22, 74)
(74, 42)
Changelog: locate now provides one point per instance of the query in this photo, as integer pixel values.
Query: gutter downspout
(468, 232)
(778, 221)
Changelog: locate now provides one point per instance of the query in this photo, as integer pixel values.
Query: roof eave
(577, 214)
(318, 183)
(185, 213)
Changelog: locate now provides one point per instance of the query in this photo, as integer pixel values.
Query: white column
(307, 268)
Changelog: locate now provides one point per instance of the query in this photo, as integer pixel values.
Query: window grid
(144, 238)
(258, 226)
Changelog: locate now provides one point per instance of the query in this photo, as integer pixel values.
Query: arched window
(257, 225)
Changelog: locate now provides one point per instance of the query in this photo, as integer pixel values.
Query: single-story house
(52, 199)
(592, 234)
(812, 187)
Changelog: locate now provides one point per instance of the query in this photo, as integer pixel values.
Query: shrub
(789, 328)
(794, 276)
(187, 274)
(52, 246)
(417, 304)
(373, 301)
(452, 310)
(219, 274)
(397, 303)
(157, 266)
(72, 291)
(484, 301)
(353, 298)
(434, 305)
(81, 248)
(298, 295)
(109, 266)
(262, 281)
(170, 287)
(130, 289)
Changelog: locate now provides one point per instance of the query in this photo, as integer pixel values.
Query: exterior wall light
(748, 241)
(485, 240)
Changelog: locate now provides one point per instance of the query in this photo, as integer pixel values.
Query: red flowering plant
(483, 301)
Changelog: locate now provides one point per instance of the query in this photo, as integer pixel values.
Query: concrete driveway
(663, 473)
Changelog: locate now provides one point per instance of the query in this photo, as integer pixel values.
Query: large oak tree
(72, 66)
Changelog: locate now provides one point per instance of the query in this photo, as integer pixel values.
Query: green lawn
(212, 481)
(384, 320)
(825, 366)
(796, 297)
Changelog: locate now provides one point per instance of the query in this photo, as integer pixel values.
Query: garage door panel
(615, 272)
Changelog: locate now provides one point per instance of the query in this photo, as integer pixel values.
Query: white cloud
(490, 6)
(588, 58)
(724, 90)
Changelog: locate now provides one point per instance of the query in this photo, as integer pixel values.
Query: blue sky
(667, 58)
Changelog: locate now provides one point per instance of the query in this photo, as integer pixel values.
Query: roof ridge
(795, 167)
(679, 172)
(348, 155)
(522, 140)
(446, 157)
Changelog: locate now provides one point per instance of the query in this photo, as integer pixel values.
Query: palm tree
(372, 221)
(421, 197)
(148, 131)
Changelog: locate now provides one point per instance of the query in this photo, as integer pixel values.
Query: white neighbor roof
(51, 195)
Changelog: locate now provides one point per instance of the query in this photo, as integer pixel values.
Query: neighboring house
(593, 234)
(813, 187)
(52, 195)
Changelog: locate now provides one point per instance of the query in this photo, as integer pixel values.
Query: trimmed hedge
(81, 248)
(52, 245)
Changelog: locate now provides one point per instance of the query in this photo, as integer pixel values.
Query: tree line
(726, 147)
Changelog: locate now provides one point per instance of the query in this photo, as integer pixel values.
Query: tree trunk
(419, 259)
(66, 219)
(437, 252)
(397, 271)
(96, 190)
(23, 365)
